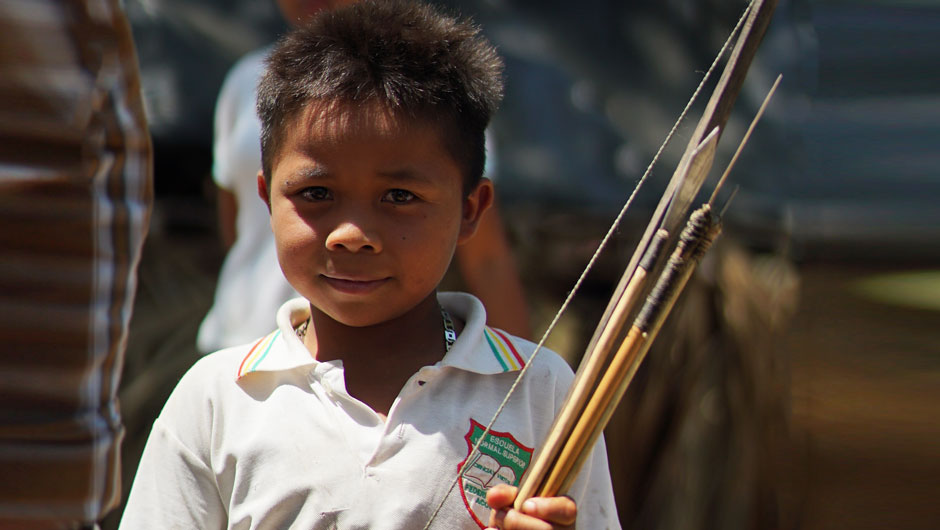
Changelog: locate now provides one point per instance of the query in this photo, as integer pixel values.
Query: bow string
(602, 377)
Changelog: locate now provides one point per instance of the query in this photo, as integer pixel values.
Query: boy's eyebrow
(306, 173)
(312, 172)
(407, 175)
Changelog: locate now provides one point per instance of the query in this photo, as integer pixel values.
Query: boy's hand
(545, 513)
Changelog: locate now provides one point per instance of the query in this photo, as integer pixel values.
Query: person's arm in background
(226, 151)
(489, 271)
(227, 205)
(75, 196)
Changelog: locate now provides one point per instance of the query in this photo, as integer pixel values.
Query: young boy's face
(367, 210)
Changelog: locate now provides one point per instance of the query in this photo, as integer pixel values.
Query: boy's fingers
(497, 517)
(558, 510)
(510, 519)
(536, 514)
(500, 499)
(501, 496)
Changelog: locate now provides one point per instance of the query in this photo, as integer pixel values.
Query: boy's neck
(379, 359)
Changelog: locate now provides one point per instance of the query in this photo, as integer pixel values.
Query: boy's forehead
(336, 120)
(394, 139)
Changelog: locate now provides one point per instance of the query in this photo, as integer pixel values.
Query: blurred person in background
(75, 199)
(486, 264)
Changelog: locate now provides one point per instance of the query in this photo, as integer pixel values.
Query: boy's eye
(399, 196)
(316, 193)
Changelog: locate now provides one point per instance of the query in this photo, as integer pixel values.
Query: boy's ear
(474, 205)
(263, 190)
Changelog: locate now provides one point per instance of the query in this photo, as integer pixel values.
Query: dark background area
(836, 211)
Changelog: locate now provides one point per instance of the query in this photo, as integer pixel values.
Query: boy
(359, 409)
(486, 264)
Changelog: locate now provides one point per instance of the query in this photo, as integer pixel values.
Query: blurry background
(796, 385)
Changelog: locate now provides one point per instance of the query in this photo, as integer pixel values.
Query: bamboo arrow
(593, 365)
(590, 403)
(599, 362)
(701, 230)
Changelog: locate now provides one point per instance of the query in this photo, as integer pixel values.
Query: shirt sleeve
(594, 492)
(173, 488)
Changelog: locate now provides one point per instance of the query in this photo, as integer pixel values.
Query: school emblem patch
(501, 459)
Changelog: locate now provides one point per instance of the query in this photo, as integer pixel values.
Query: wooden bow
(611, 359)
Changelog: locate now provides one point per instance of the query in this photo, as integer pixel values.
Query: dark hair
(410, 57)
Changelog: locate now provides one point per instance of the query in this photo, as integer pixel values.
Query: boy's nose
(351, 237)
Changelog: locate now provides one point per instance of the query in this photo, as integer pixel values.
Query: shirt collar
(479, 348)
(281, 349)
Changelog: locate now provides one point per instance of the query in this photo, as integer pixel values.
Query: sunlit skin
(554, 513)
(367, 210)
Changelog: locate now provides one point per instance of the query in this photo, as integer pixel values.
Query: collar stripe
(495, 348)
(519, 359)
(257, 353)
(503, 350)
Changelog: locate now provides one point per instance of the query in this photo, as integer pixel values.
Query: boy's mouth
(353, 286)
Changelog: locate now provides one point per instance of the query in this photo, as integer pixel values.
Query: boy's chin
(366, 314)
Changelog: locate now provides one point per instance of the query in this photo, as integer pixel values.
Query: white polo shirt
(264, 436)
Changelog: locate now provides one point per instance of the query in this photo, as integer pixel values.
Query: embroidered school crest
(501, 459)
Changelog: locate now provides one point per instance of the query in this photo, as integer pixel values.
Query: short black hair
(410, 57)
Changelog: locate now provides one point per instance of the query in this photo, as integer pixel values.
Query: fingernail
(529, 506)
